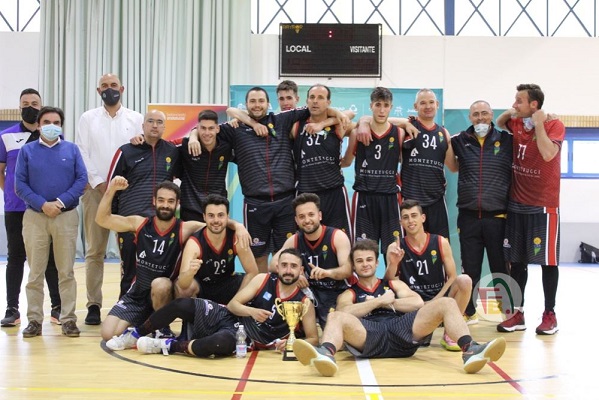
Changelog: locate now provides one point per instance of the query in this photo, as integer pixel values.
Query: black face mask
(111, 97)
(29, 114)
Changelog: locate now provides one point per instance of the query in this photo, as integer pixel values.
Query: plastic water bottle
(242, 347)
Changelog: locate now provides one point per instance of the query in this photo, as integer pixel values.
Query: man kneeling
(382, 319)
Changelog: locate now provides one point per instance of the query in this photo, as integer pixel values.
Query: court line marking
(245, 376)
(507, 378)
(230, 378)
(369, 382)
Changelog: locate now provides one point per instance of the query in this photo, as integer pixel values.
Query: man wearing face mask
(11, 142)
(101, 131)
(50, 177)
(484, 161)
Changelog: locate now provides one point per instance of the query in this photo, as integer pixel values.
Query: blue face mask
(51, 132)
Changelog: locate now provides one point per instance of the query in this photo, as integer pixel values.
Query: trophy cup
(292, 312)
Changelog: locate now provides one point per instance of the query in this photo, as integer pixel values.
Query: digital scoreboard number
(331, 50)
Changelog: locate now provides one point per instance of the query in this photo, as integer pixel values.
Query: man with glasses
(144, 166)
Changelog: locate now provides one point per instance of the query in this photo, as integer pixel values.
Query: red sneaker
(515, 323)
(548, 325)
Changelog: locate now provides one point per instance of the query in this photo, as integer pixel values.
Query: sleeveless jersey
(157, 255)
(422, 165)
(217, 264)
(317, 159)
(321, 254)
(360, 293)
(423, 272)
(536, 182)
(274, 327)
(376, 164)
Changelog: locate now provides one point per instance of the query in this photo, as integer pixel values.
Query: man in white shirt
(101, 131)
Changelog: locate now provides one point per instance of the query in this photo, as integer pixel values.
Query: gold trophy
(292, 312)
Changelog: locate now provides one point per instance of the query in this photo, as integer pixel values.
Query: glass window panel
(564, 156)
(584, 154)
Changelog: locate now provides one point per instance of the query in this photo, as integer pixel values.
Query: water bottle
(242, 347)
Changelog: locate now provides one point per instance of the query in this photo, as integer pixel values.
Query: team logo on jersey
(395, 234)
(536, 242)
(497, 147)
(230, 254)
(221, 159)
(365, 164)
(412, 280)
(434, 256)
(391, 143)
(271, 129)
(289, 234)
(325, 251)
(267, 296)
(414, 153)
(172, 239)
(168, 163)
(441, 137)
(506, 243)
(325, 132)
(142, 254)
(257, 242)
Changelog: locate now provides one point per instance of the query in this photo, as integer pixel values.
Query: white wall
(19, 66)
(466, 68)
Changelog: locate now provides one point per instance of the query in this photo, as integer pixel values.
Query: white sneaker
(153, 346)
(127, 340)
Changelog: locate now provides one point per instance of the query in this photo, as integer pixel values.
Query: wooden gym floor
(53, 366)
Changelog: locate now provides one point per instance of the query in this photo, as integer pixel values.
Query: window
(579, 153)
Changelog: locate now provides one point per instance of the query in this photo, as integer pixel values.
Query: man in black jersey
(208, 261)
(424, 261)
(317, 153)
(380, 319)
(266, 171)
(375, 205)
(204, 173)
(144, 166)
(158, 243)
(255, 304)
(325, 255)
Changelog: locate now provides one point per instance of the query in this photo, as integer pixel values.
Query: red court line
(245, 376)
(507, 378)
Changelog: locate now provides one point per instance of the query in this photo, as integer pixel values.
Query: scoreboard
(330, 50)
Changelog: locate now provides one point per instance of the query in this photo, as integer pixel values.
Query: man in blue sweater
(11, 141)
(50, 177)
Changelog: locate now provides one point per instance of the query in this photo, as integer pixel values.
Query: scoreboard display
(330, 50)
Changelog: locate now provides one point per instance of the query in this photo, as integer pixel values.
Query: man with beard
(266, 171)
(208, 261)
(11, 142)
(385, 319)
(158, 243)
(325, 255)
(144, 166)
(255, 304)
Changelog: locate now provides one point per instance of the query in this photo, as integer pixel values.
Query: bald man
(144, 166)
(99, 134)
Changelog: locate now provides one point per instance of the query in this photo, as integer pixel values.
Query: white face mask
(481, 130)
(528, 124)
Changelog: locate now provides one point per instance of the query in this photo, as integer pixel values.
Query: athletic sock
(464, 342)
(330, 347)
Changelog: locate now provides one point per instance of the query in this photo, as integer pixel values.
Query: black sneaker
(478, 355)
(33, 329)
(55, 315)
(93, 315)
(164, 333)
(70, 329)
(11, 318)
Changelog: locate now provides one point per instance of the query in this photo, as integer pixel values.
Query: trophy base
(288, 355)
